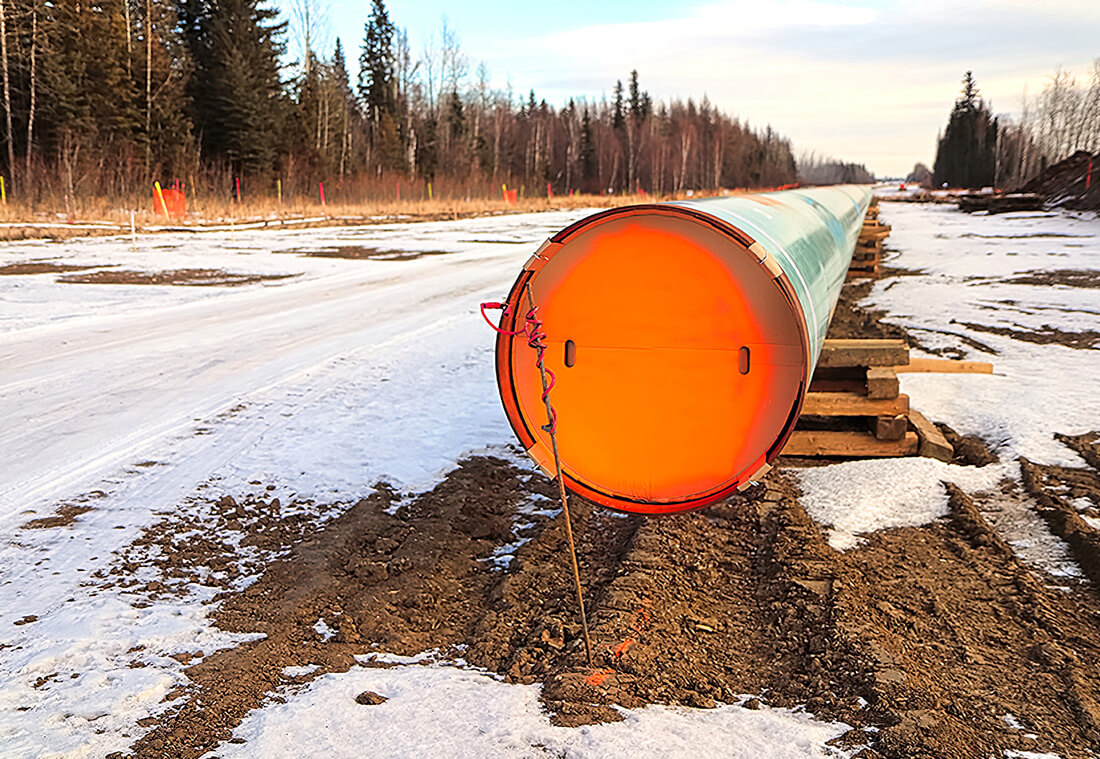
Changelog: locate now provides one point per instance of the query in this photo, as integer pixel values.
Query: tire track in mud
(927, 641)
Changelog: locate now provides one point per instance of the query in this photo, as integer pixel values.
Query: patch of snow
(300, 671)
(323, 629)
(962, 290)
(444, 711)
(382, 657)
(966, 263)
(142, 401)
(857, 497)
(1082, 503)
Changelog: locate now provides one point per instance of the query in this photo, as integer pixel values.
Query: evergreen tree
(966, 155)
(618, 120)
(377, 86)
(238, 96)
(640, 104)
(588, 149)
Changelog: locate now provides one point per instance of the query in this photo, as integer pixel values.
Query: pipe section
(682, 335)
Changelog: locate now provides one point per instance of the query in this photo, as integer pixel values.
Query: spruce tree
(618, 119)
(640, 104)
(377, 62)
(588, 149)
(236, 90)
(966, 155)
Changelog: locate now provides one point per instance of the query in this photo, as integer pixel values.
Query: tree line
(980, 149)
(101, 98)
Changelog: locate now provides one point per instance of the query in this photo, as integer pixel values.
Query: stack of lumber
(868, 252)
(854, 408)
(1019, 201)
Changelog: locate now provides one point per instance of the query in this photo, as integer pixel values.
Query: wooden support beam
(882, 382)
(848, 445)
(932, 442)
(863, 273)
(846, 352)
(945, 366)
(864, 265)
(889, 427)
(853, 404)
(873, 235)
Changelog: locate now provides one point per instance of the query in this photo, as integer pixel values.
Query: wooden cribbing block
(877, 382)
(882, 382)
(864, 252)
(881, 352)
(863, 273)
(873, 235)
(945, 366)
(932, 442)
(867, 265)
(848, 444)
(889, 427)
(853, 404)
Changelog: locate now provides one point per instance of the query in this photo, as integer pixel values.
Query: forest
(102, 98)
(980, 149)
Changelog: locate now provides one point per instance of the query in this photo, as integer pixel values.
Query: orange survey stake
(681, 338)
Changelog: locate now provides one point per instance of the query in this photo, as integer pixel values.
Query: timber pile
(868, 253)
(1020, 201)
(854, 408)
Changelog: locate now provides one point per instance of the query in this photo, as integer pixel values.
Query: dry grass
(100, 216)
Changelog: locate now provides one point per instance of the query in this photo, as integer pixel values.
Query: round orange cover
(687, 356)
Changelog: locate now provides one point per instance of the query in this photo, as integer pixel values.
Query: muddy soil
(929, 641)
(1085, 278)
(851, 321)
(39, 267)
(363, 253)
(936, 641)
(185, 277)
(1045, 335)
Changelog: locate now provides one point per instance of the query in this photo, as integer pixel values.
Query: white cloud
(862, 82)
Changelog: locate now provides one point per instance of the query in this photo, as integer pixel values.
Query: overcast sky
(870, 82)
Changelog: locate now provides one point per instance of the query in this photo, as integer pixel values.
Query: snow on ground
(420, 718)
(965, 263)
(850, 498)
(144, 400)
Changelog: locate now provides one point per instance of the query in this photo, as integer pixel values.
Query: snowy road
(86, 396)
(82, 395)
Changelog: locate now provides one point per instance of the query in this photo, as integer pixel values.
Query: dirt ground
(187, 277)
(934, 641)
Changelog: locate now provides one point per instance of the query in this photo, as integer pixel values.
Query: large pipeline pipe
(683, 337)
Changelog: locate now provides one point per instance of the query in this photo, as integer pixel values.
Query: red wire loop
(507, 312)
